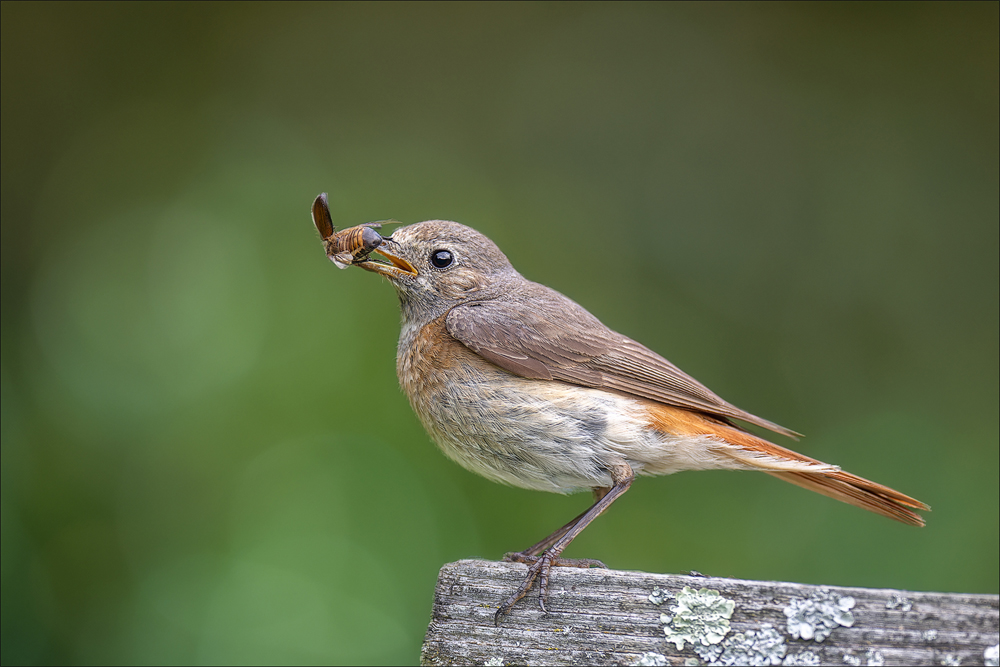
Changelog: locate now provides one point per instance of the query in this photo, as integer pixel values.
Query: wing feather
(544, 335)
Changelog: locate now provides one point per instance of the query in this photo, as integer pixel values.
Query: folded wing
(544, 335)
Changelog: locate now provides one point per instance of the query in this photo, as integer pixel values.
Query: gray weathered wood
(606, 617)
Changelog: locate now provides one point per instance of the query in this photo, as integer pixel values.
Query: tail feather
(834, 482)
(773, 459)
(859, 492)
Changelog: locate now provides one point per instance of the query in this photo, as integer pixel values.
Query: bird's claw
(537, 565)
(542, 565)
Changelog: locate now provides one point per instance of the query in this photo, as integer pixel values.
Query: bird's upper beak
(399, 268)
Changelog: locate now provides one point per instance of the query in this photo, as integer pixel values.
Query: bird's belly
(536, 434)
(543, 437)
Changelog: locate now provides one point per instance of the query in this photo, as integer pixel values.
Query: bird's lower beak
(398, 269)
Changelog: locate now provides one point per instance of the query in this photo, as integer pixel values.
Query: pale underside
(552, 436)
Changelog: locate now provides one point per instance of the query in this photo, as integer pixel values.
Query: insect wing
(321, 216)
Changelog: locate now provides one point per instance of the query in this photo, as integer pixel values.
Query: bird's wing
(547, 336)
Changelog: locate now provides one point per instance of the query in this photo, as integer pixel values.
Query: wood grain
(605, 617)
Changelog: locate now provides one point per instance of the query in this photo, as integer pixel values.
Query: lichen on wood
(610, 617)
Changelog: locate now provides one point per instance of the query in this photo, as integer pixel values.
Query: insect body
(347, 246)
(353, 244)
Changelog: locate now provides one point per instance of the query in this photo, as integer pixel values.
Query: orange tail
(861, 493)
(776, 460)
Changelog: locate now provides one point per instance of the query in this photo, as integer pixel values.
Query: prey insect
(347, 246)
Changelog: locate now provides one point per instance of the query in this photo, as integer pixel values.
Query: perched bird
(520, 384)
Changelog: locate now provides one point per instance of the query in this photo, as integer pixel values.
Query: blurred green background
(206, 457)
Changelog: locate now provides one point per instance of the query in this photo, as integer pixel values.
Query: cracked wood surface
(605, 617)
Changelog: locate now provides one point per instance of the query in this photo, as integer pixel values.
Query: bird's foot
(538, 565)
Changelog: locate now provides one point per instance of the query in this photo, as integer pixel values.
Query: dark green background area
(206, 456)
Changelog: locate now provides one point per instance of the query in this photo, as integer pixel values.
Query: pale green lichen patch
(659, 596)
(699, 617)
(872, 658)
(806, 658)
(818, 615)
(899, 602)
(991, 655)
(753, 647)
(651, 660)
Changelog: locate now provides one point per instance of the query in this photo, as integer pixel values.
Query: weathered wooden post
(609, 617)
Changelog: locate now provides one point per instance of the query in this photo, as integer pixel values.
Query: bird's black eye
(441, 258)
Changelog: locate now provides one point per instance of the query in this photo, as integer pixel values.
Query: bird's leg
(530, 555)
(553, 545)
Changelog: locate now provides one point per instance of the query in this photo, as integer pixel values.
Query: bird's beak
(399, 268)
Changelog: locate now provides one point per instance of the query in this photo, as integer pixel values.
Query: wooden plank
(610, 617)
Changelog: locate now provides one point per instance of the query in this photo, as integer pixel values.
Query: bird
(522, 385)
